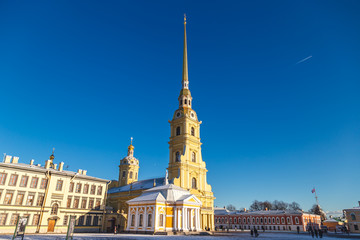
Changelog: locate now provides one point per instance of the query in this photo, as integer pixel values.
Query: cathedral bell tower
(128, 168)
(186, 167)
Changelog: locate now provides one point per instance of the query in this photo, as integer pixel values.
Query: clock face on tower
(178, 114)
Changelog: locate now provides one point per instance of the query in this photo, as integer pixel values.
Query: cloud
(303, 60)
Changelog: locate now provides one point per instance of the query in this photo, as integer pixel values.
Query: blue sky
(85, 76)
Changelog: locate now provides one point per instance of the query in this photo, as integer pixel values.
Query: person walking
(316, 233)
(298, 229)
(256, 232)
(320, 233)
(251, 232)
(312, 233)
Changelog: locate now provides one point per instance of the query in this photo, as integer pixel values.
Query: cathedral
(186, 173)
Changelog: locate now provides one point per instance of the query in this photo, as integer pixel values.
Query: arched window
(297, 220)
(161, 220)
(273, 220)
(282, 220)
(288, 220)
(177, 157)
(257, 220)
(185, 101)
(278, 221)
(54, 209)
(132, 220)
(261, 220)
(130, 174)
(141, 218)
(149, 220)
(193, 156)
(123, 174)
(234, 220)
(265, 220)
(192, 131)
(135, 176)
(177, 131)
(193, 185)
(353, 217)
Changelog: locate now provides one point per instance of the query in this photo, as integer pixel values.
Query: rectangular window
(36, 219)
(43, 183)
(81, 220)
(71, 187)
(66, 220)
(97, 204)
(83, 203)
(24, 181)
(59, 185)
(3, 218)
(96, 221)
(76, 203)
(93, 189)
(78, 188)
(13, 179)
(8, 198)
(99, 191)
(30, 200)
(88, 220)
(68, 203)
(91, 203)
(86, 189)
(19, 199)
(34, 182)
(40, 200)
(14, 219)
(356, 227)
(2, 178)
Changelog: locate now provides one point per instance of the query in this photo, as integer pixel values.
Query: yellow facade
(128, 168)
(186, 167)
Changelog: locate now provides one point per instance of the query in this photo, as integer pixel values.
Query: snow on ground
(230, 236)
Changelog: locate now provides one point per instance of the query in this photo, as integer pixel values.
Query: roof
(223, 211)
(42, 169)
(166, 193)
(139, 185)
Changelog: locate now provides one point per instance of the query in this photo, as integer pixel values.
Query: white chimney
(7, 159)
(55, 165)
(39, 165)
(79, 171)
(61, 166)
(15, 159)
(84, 172)
(47, 164)
(32, 162)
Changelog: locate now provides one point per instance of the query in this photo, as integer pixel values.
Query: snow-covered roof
(223, 211)
(167, 193)
(42, 169)
(331, 220)
(139, 185)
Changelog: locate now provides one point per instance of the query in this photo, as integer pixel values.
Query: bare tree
(294, 206)
(255, 206)
(231, 207)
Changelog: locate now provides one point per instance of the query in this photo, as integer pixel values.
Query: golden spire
(52, 155)
(185, 63)
(131, 148)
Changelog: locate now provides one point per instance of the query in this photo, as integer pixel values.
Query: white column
(191, 219)
(175, 218)
(136, 217)
(145, 219)
(178, 219)
(183, 218)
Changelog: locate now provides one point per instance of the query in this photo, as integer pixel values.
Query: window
(235, 220)
(353, 217)
(78, 188)
(253, 220)
(161, 220)
(86, 188)
(282, 220)
(193, 184)
(88, 220)
(34, 182)
(130, 175)
(277, 220)
(257, 220)
(8, 198)
(71, 187)
(177, 157)
(288, 220)
(261, 220)
(141, 218)
(36, 219)
(185, 101)
(59, 184)
(30, 200)
(66, 218)
(91, 203)
(192, 131)
(3, 218)
(92, 190)
(265, 220)
(297, 220)
(43, 183)
(177, 131)
(356, 227)
(2, 178)
(99, 190)
(81, 221)
(193, 156)
(135, 176)
(76, 203)
(96, 221)
(83, 204)
(19, 199)
(269, 220)
(273, 220)
(68, 203)
(24, 180)
(13, 179)
(149, 220)
(97, 204)
(14, 219)
(54, 209)
(132, 220)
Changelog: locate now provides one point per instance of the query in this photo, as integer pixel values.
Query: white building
(166, 208)
(48, 195)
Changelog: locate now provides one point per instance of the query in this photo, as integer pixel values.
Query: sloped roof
(223, 211)
(156, 196)
(139, 185)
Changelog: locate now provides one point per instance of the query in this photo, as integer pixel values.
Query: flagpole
(317, 201)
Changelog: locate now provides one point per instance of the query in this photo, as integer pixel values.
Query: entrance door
(51, 225)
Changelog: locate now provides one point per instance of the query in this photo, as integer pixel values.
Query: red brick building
(274, 220)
